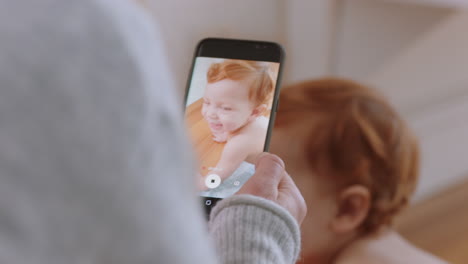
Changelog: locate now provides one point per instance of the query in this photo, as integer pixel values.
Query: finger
(270, 164)
(264, 183)
(267, 155)
(291, 198)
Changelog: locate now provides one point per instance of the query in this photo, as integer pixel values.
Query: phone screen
(230, 107)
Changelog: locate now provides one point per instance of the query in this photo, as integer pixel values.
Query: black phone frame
(253, 50)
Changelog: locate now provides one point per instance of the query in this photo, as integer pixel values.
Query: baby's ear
(259, 110)
(352, 209)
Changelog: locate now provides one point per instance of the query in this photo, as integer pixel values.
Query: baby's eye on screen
(227, 108)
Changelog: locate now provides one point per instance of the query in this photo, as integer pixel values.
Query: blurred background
(415, 51)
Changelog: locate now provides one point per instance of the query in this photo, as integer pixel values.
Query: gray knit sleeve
(249, 229)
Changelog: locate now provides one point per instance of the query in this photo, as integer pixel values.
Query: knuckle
(272, 159)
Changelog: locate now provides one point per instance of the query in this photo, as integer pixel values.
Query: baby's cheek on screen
(228, 123)
(204, 113)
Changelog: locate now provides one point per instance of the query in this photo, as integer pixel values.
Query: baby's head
(353, 157)
(237, 92)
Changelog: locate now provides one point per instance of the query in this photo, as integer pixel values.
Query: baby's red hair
(259, 74)
(354, 136)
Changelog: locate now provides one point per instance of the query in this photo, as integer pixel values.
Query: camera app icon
(212, 181)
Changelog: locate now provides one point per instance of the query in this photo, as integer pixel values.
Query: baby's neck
(330, 253)
(358, 247)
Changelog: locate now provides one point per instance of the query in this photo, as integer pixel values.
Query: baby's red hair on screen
(354, 136)
(259, 74)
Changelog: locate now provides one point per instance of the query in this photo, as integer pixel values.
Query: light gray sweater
(94, 164)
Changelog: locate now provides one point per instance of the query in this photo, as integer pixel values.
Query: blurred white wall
(373, 32)
(184, 23)
(309, 38)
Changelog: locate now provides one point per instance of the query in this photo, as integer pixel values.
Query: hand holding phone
(272, 182)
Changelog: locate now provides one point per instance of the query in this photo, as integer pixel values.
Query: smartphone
(230, 105)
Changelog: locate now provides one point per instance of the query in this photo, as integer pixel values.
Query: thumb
(291, 198)
(269, 171)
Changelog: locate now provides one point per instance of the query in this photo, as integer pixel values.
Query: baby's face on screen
(226, 105)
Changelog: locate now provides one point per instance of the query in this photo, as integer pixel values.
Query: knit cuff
(250, 229)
